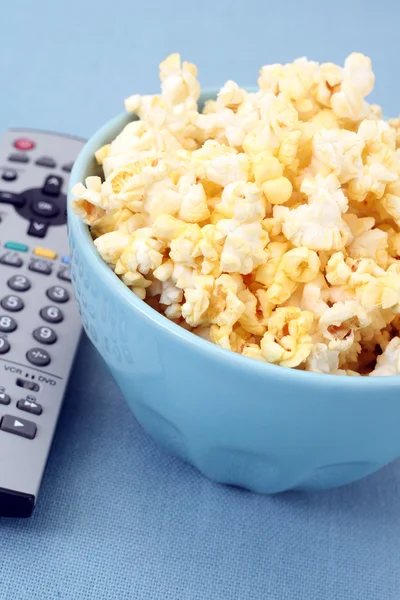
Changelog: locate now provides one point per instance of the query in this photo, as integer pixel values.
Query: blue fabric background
(117, 518)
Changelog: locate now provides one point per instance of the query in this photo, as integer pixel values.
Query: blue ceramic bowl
(239, 421)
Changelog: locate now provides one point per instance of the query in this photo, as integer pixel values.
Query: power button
(24, 144)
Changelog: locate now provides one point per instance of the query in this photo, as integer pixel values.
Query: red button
(24, 144)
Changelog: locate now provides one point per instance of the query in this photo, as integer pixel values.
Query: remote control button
(45, 253)
(65, 260)
(38, 357)
(45, 208)
(7, 324)
(10, 198)
(46, 161)
(29, 406)
(40, 266)
(51, 314)
(44, 335)
(21, 427)
(27, 384)
(12, 259)
(24, 144)
(4, 398)
(9, 175)
(57, 294)
(52, 185)
(4, 346)
(12, 303)
(64, 274)
(68, 167)
(17, 246)
(19, 283)
(18, 158)
(37, 229)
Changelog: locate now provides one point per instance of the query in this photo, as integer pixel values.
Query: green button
(17, 246)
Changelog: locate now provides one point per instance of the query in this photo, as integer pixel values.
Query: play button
(21, 427)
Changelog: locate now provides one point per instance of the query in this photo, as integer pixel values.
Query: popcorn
(266, 167)
(244, 247)
(357, 83)
(277, 191)
(111, 245)
(88, 201)
(143, 253)
(228, 169)
(287, 341)
(388, 363)
(323, 360)
(339, 152)
(318, 224)
(257, 311)
(301, 264)
(339, 322)
(266, 223)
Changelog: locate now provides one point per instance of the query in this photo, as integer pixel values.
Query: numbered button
(4, 346)
(44, 335)
(52, 314)
(57, 294)
(38, 357)
(12, 303)
(19, 283)
(7, 324)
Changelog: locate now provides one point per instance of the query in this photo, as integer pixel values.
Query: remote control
(40, 325)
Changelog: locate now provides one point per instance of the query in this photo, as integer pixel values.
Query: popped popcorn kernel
(388, 363)
(265, 167)
(287, 341)
(277, 191)
(267, 222)
(319, 224)
(301, 264)
(338, 323)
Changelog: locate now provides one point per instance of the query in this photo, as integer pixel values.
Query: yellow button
(45, 253)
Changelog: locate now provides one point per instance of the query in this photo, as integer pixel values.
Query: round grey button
(44, 335)
(7, 324)
(38, 357)
(57, 294)
(4, 346)
(45, 208)
(9, 175)
(19, 283)
(51, 314)
(12, 303)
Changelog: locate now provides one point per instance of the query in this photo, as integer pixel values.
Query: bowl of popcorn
(236, 261)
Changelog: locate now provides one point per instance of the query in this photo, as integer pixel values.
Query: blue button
(65, 260)
(16, 246)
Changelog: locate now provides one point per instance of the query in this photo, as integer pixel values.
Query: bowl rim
(83, 239)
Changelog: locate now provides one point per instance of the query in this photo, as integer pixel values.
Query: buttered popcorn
(265, 222)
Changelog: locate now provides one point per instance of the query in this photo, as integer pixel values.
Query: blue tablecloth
(118, 518)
